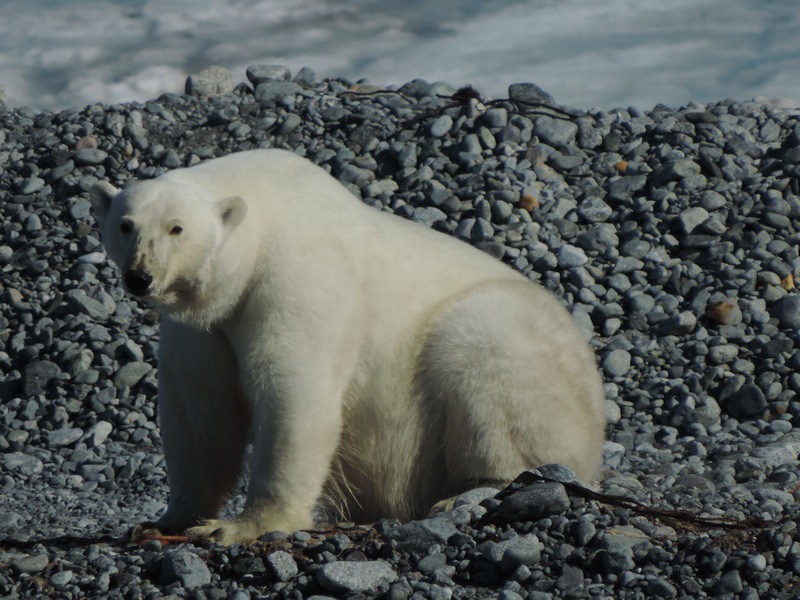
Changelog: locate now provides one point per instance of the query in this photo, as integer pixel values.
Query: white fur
(378, 366)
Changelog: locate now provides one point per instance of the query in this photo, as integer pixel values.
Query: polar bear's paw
(226, 532)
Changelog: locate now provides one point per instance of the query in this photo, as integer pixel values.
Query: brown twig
(678, 517)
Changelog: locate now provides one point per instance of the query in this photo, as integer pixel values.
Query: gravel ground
(671, 235)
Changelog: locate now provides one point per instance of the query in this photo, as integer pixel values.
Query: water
(59, 53)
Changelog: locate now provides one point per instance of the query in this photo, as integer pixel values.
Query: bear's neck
(226, 287)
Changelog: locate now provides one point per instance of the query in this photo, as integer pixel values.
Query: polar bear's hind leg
(518, 384)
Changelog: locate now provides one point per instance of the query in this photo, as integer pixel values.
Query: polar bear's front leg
(294, 440)
(204, 423)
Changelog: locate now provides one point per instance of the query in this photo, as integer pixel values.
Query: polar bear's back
(308, 203)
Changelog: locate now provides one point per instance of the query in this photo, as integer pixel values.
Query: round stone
(212, 81)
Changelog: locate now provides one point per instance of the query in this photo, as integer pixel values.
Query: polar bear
(375, 365)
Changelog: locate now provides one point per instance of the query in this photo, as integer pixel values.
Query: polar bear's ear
(232, 211)
(101, 195)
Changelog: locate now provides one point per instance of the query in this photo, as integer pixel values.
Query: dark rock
(36, 376)
(534, 502)
(749, 401)
(418, 536)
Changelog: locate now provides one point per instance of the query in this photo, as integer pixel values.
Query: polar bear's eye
(125, 227)
(176, 230)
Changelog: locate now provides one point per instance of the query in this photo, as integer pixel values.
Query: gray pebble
(787, 311)
(692, 218)
(475, 496)
(282, 565)
(510, 554)
(186, 568)
(440, 126)
(571, 256)
(90, 156)
(61, 578)
(594, 210)
(570, 582)
(31, 185)
(555, 132)
(99, 433)
(212, 81)
(617, 363)
(729, 583)
(674, 170)
(131, 373)
(722, 354)
(661, 588)
(496, 118)
(680, 324)
(756, 562)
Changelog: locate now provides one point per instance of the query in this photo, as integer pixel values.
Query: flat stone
(529, 93)
(272, 90)
(63, 437)
(31, 185)
(475, 496)
(674, 170)
(23, 463)
(258, 74)
(78, 302)
(90, 156)
(356, 576)
(30, 564)
(131, 373)
(555, 132)
(420, 535)
(570, 256)
(783, 452)
(510, 554)
(624, 188)
(186, 568)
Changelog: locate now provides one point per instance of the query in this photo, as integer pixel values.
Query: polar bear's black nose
(137, 281)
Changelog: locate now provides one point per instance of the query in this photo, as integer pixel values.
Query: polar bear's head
(165, 237)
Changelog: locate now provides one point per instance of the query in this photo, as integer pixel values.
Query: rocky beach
(671, 235)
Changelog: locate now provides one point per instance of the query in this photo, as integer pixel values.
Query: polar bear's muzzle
(137, 281)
